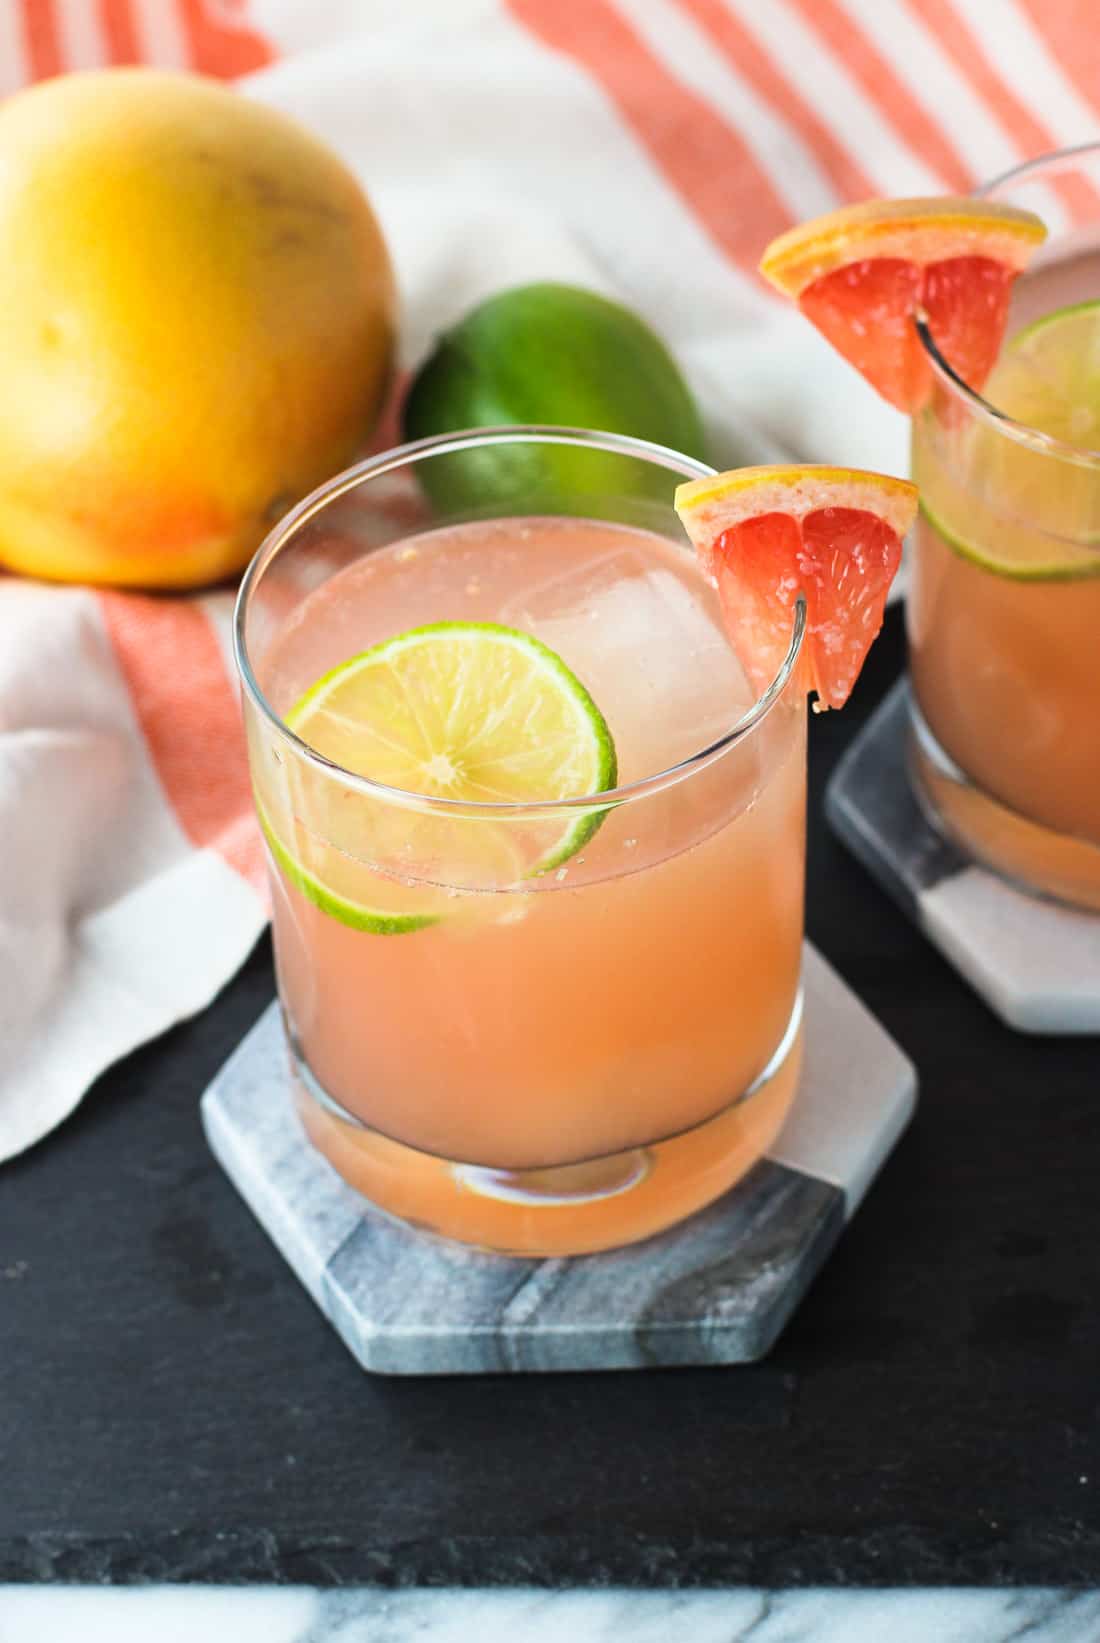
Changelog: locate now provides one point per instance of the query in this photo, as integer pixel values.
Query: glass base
(571, 1209)
(1031, 857)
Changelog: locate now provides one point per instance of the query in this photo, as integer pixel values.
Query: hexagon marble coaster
(715, 1290)
(1035, 963)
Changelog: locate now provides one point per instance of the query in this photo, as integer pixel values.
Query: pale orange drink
(1004, 606)
(536, 843)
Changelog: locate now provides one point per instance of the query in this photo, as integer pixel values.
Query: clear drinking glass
(1004, 604)
(536, 1062)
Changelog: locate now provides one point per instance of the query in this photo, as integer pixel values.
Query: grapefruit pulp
(862, 273)
(832, 536)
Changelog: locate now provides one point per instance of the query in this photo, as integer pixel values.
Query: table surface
(298, 1614)
(174, 1408)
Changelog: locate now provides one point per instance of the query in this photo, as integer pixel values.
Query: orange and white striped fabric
(648, 148)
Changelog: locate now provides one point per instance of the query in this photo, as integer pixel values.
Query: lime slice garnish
(470, 711)
(371, 914)
(1010, 508)
(1049, 376)
(1015, 553)
(467, 711)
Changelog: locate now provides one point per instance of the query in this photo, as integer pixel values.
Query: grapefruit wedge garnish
(831, 535)
(861, 274)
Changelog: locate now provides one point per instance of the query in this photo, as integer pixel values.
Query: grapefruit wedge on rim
(832, 535)
(861, 274)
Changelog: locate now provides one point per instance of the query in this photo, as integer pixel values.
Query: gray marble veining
(715, 1290)
(1036, 964)
(301, 1615)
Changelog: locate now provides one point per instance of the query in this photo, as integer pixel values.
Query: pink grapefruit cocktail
(545, 1025)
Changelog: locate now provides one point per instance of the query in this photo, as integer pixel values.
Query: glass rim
(287, 529)
(999, 421)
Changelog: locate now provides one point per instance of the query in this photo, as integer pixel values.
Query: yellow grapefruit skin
(196, 326)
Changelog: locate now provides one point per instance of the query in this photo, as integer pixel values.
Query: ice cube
(646, 641)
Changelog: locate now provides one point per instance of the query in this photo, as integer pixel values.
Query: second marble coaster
(716, 1289)
(1035, 963)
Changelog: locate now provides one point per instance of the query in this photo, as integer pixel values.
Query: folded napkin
(646, 148)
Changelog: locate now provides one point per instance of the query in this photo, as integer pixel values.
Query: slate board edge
(194, 1554)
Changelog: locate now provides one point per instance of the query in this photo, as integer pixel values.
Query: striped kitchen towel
(648, 148)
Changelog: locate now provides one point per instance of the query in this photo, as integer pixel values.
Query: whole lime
(549, 353)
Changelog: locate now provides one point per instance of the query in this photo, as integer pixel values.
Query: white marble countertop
(171, 1614)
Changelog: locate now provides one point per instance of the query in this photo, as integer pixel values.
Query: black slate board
(173, 1407)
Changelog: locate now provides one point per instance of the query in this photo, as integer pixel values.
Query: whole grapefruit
(196, 325)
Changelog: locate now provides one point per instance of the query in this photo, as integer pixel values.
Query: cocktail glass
(1004, 602)
(534, 1060)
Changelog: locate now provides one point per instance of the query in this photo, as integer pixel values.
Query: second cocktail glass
(1004, 602)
